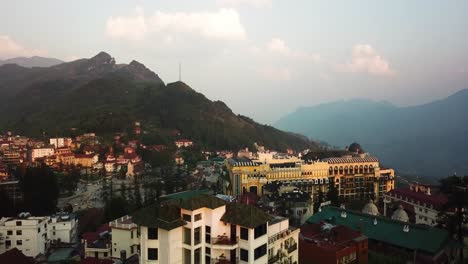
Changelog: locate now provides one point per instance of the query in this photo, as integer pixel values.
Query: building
(97, 244)
(405, 241)
(12, 190)
(40, 152)
(12, 156)
(324, 243)
(183, 143)
(86, 160)
(3, 171)
(63, 228)
(422, 203)
(205, 229)
(60, 142)
(125, 238)
(26, 233)
(354, 176)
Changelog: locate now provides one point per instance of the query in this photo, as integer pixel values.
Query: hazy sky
(264, 58)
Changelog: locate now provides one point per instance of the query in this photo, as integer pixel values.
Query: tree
(115, 208)
(40, 189)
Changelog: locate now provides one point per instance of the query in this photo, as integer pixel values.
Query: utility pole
(180, 71)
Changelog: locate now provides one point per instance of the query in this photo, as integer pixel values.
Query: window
(132, 250)
(197, 256)
(131, 234)
(207, 234)
(260, 251)
(19, 242)
(115, 249)
(197, 236)
(18, 223)
(152, 233)
(39, 230)
(9, 232)
(8, 243)
(187, 236)
(244, 233)
(187, 217)
(105, 254)
(152, 254)
(197, 217)
(244, 254)
(53, 233)
(187, 256)
(260, 231)
(19, 232)
(208, 251)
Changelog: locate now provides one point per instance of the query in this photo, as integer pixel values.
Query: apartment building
(125, 237)
(25, 232)
(204, 229)
(63, 227)
(32, 235)
(40, 152)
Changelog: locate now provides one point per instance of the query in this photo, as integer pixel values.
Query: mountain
(30, 62)
(98, 95)
(425, 140)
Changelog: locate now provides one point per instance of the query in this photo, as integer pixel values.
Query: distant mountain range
(34, 61)
(98, 95)
(425, 140)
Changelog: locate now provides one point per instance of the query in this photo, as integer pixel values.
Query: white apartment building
(204, 229)
(25, 232)
(63, 227)
(36, 153)
(125, 238)
(57, 142)
(32, 234)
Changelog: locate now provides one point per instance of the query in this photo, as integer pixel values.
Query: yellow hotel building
(354, 176)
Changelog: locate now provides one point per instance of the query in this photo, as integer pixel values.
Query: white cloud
(222, 24)
(279, 47)
(252, 3)
(10, 48)
(130, 27)
(275, 73)
(366, 60)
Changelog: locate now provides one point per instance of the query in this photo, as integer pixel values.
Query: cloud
(366, 60)
(275, 73)
(251, 3)
(10, 48)
(223, 24)
(131, 27)
(279, 47)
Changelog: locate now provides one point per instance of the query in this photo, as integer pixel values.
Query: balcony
(273, 259)
(222, 260)
(292, 248)
(224, 242)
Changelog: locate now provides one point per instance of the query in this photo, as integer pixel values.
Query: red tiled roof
(338, 237)
(90, 237)
(436, 200)
(83, 156)
(15, 256)
(351, 160)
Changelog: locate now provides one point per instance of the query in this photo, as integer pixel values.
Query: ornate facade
(354, 176)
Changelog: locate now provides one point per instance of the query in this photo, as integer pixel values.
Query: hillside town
(96, 200)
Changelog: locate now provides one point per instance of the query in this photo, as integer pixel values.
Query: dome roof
(370, 208)
(400, 214)
(356, 148)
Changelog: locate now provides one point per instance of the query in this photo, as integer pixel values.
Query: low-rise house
(40, 152)
(183, 143)
(423, 203)
(86, 160)
(97, 244)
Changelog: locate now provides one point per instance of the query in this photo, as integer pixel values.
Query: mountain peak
(102, 56)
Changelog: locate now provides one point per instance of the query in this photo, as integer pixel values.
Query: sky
(263, 58)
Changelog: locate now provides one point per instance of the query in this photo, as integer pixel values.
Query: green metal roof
(421, 238)
(159, 216)
(185, 195)
(59, 255)
(245, 215)
(197, 202)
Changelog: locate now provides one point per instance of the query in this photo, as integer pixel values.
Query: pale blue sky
(264, 58)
